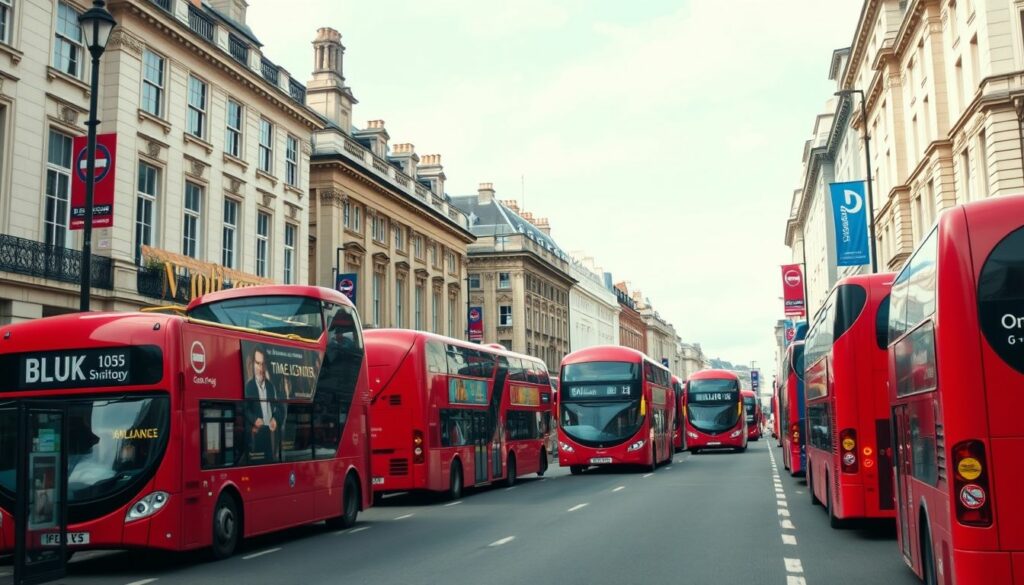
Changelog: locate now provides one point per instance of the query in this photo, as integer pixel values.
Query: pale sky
(662, 137)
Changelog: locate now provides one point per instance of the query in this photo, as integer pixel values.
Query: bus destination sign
(81, 368)
(600, 392)
(713, 397)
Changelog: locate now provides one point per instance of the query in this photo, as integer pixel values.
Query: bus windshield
(283, 315)
(601, 372)
(600, 402)
(711, 404)
(750, 405)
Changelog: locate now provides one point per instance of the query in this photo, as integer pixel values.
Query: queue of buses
(900, 400)
(256, 409)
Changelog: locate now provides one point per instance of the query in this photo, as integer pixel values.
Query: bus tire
(654, 459)
(227, 527)
(455, 481)
(510, 470)
(810, 488)
(575, 469)
(543, 467)
(350, 501)
(927, 556)
(833, 521)
(694, 450)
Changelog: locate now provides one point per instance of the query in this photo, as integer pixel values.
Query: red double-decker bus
(775, 414)
(714, 416)
(678, 436)
(956, 366)
(791, 409)
(449, 414)
(245, 414)
(849, 444)
(616, 407)
(753, 415)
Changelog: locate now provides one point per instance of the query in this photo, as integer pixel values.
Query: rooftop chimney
(485, 193)
(405, 155)
(511, 204)
(327, 93)
(377, 136)
(233, 9)
(543, 225)
(430, 169)
(528, 216)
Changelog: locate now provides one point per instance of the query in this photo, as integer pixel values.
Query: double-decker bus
(956, 366)
(448, 414)
(714, 412)
(245, 415)
(791, 409)
(678, 436)
(753, 415)
(849, 445)
(775, 414)
(616, 407)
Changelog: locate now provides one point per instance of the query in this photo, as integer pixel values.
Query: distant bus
(448, 414)
(678, 436)
(714, 412)
(956, 369)
(775, 414)
(849, 445)
(616, 407)
(791, 409)
(753, 415)
(244, 416)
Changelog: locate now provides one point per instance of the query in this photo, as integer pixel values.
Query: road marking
(799, 491)
(261, 553)
(141, 582)
(360, 529)
(793, 565)
(667, 468)
(508, 489)
(787, 525)
(788, 539)
(577, 507)
(619, 489)
(404, 516)
(782, 503)
(505, 540)
(455, 503)
(795, 580)
(647, 475)
(784, 512)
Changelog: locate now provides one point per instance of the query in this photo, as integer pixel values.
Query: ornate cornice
(122, 39)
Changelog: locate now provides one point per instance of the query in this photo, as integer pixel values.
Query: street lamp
(1018, 106)
(96, 23)
(867, 155)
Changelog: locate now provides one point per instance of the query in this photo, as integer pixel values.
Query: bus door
(498, 434)
(41, 530)
(904, 470)
(481, 440)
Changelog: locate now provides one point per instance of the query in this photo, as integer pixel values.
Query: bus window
(282, 315)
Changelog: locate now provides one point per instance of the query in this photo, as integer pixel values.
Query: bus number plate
(53, 538)
(714, 442)
(378, 481)
(599, 460)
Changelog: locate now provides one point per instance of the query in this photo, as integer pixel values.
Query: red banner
(793, 290)
(476, 324)
(103, 191)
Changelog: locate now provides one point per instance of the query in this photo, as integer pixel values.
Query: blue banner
(755, 380)
(850, 213)
(346, 284)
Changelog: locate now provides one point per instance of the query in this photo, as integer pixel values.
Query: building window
(266, 162)
(474, 281)
(262, 243)
(435, 312)
(965, 173)
(197, 92)
(433, 254)
(153, 67)
(379, 228)
(192, 225)
(291, 161)
(505, 315)
(451, 317)
(6, 20)
(417, 246)
(357, 222)
(399, 237)
(289, 253)
(378, 284)
(504, 280)
(145, 208)
(418, 320)
(67, 46)
(983, 164)
(399, 300)
(58, 188)
(346, 214)
(227, 257)
(233, 131)
(451, 262)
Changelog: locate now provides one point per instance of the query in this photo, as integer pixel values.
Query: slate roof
(495, 219)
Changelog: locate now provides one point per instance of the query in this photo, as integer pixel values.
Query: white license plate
(378, 481)
(74, 538)
(714, 442)
(599, 460)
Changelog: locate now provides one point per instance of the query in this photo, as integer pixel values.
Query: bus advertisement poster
(276, 372)
(524, 396)
(463, 391)
(476, 324)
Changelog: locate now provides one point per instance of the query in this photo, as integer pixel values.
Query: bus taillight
(970, 480)
(848, 450)
(795, 430)
(417, 447)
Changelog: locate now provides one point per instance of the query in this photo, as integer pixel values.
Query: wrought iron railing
(269, 70)
(153, 283)
(238, 49)
(200, 23)
(32, 258)
(297, 91)
(165, 4)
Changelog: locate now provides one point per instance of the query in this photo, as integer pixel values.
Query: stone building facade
(593, 309)
(632, 330)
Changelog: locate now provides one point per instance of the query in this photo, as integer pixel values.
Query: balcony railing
(297, 91)
(31, 258)
(165, 4)
(200, 23)
(238, 49)
(269, 70)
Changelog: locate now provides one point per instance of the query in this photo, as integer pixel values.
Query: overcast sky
(662, 137)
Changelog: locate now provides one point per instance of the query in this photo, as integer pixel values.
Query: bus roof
(748, 393)
(77, 330)
(406, 337)
(270, 290)
(608, 353)
(714, 375)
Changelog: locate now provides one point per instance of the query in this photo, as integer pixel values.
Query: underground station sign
(103, 189)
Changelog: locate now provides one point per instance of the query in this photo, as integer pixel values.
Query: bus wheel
(833, 520)
(510, 471)
(927, 558)
(654, 459)
(810, 488)
(226, 527)
(455, 485)
(349, 506)
(575, 469)
(543, 467)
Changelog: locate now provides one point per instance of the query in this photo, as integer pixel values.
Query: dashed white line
(788, 539)
(793, 565)
(455, 503)
(795, 580)
(787, 525)
(508, 489)
(140, 582)
(502, 541)
(261, 553)
(646, 475)
(619, 489)
(667, 468)
(360, 529)
(784, 512)
(781, 503)
(404, 516)
(578, 506)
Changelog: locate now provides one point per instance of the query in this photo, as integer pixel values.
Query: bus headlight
(147, 506)
(692, 435)
(735, 434)
(637, 445)
(564, 447)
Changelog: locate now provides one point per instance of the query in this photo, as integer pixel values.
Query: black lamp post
(96, 23)
(867, 155)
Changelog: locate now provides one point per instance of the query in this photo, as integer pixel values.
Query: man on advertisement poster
(262, 409)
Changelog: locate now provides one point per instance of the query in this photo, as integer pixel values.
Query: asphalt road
(712, 518)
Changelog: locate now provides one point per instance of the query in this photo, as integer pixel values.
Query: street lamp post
(96, 23)
(1018, 106)
(867, 156)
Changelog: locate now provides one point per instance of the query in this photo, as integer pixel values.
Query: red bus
(956, 366)
(616, 407)
(244, 416)
(714, 412)
(448, 414)
(754, 416)
(791, 409)
(849, 445)
(678, 436)
(775, 414)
